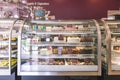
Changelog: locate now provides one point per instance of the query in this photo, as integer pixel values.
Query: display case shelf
(115, 43)
(6, 56)
(62, 32)
(79, 56)
(63, 44)
(53, 68)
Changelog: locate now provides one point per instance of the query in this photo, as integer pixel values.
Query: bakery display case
(112, 46)
(9, 28)
(61, 48)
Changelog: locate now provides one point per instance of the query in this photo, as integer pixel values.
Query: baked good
(34, 47)
(5, 38)
(86, 39)
(75, 51)
(58, 62)
(115, 60)
(59, 39)
(48, 28)
(72, 61)
(35, 40)
(4, 63)
(43, 51)
(13, 47)
(118, 39)
(85, 51)
(46, 51)
(73, 40)
(55, 51)
(64, 51)
(57, 28)
(69, 27)
(116, 49)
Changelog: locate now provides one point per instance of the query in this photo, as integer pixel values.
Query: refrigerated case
(9, 28)
(112, 46)
(61, 48)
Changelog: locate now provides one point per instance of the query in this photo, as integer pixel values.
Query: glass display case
(61, 48)
(113, 46)
(9, 28)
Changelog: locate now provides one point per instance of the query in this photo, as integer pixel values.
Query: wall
(81, 9)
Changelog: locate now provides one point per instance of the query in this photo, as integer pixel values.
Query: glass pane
(59, 47)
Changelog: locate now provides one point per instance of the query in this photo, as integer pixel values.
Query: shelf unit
(61, 48)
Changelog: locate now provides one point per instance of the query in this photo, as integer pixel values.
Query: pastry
(69, 27)
(5, 38)
(85, 51)
(72, 61)
(48, 28)
(35, 39)
(55, 51)
(46, 51)
(116, 49)
(4, 63)
(86, 39)
(73, 40)
(58, 62)
(43, 51)
(57, 28)
(13, 47)
(34, 47)
(14, 39)
(59, 39)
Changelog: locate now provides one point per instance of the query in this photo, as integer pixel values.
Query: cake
(46, 51)
(34, 47)
(80, 27)
(118, 39)
(48, 28)
(73, 40)
(35, 39)
(59, 39)
(86, 39)
(57, 28)
(72, 61)
(115, 60)
(58, 62)
(43, 51)
(116, 49)
(69, 27)
(55, 51)
(64, 51)
(4, 63)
